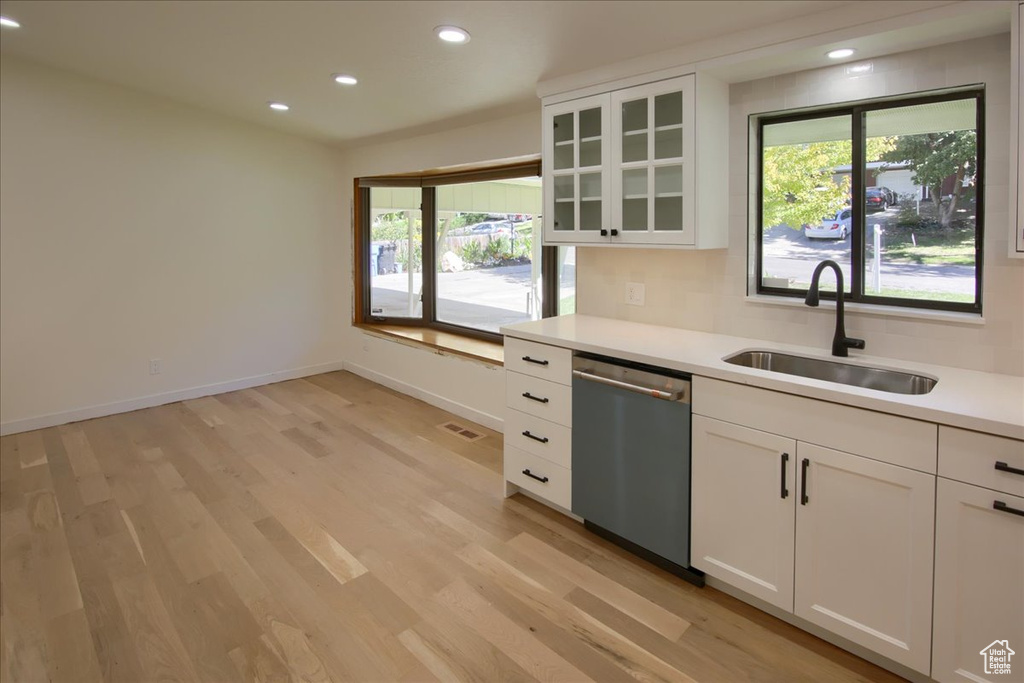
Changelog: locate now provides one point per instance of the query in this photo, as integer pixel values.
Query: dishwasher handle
(636, 388)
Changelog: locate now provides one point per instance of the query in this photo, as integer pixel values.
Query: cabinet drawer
(971, 457)
(549, 481)
(538, 360)
(538, 397)
(548, 440)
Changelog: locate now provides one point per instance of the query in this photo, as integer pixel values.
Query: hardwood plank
(324, 529)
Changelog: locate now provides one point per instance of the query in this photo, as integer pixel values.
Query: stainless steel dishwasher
(631, 458)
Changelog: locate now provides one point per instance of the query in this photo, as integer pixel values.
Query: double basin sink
(880, 379)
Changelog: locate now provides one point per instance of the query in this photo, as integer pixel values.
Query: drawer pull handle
(531, 475)
(527, 394)
(803, 481)
(1003, 507)
(534, 360)
(528, 435)
(785, 491)
(1003, 467)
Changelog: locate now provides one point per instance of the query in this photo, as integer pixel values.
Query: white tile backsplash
(707, 290)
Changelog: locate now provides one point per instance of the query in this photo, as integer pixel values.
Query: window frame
(428, 183)
(858, 172)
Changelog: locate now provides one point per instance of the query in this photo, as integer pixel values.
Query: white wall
(707, 290)
(132, 227)
(469, 388)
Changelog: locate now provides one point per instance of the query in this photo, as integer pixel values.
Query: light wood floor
(326, 529)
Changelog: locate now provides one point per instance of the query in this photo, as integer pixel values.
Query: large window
(890, 190)
(478, 232)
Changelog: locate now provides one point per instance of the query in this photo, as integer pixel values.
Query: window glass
(805, 198)
(396, 252)
(566, 280)
(488, 253)
(921, 201)
(916, 222)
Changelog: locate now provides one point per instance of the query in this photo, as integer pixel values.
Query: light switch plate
(634, 293)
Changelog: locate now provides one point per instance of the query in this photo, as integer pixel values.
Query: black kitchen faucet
(840, 342)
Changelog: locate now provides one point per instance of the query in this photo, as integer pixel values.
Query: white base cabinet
(979, 582)
(742, 526)
(843, 541)
(864, 532)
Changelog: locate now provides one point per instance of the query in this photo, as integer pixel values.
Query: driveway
(789, 254)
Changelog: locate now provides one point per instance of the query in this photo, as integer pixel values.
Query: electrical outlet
(154, 366)
(634, 293)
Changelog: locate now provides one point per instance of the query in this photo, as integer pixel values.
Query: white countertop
(979, 401)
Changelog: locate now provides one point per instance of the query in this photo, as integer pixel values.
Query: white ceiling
(233, 56)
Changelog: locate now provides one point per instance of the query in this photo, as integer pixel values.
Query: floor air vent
(460, 431)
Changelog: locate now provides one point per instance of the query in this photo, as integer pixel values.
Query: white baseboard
(53, 419)
(478, 416)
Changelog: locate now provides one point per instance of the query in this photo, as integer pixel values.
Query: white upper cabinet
(652, 161)
(643, 166)
(576, 182)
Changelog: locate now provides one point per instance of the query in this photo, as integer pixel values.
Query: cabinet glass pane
(668, 180)
(634, 183)
(564, 153)
(590, 123)
(590, 186)
(590, 215)
(634, 130)
(668, 143)
(565, 195)
(668, 109)
(590, 137)
(634, 214)
(668, 213)
(634, 115)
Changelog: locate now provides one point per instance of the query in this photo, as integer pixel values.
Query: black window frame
(858, 171)
(427, 183)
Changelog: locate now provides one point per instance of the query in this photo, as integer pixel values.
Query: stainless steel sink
(893, 381)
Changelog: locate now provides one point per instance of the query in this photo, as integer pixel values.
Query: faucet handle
(853, 343)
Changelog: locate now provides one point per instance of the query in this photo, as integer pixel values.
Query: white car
(835, 227)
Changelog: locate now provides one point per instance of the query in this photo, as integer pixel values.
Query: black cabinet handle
(528, 435)
(784, 492)
(615, 232)
(604, 233)
(527, 394)
(1003, 507)
(534, 360)
(531, 475)
(803, 481)
(1003, 467)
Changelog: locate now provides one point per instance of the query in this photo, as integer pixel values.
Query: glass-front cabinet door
(652, 163)
(576, 182)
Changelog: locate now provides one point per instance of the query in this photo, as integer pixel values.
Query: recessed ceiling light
(841, 53)
(278, 106)
(452, 34)
(345, 79)
(7, 22)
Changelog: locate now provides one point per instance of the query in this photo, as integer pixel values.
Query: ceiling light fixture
(345, 79)
(7, 22)
(452, 34)
(841, 53)
(278, 106)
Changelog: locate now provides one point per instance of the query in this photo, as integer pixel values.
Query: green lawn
(930, 246)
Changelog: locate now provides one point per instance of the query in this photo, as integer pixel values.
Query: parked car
(891, 198)
(875, 199)
(492, 228)
(835, 227)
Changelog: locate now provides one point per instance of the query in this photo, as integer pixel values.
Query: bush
(497, 250)
(472, 253)
(908, 216)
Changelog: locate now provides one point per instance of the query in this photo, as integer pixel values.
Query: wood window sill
(440, 341)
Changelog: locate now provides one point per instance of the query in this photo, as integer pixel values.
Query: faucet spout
(840, 342)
